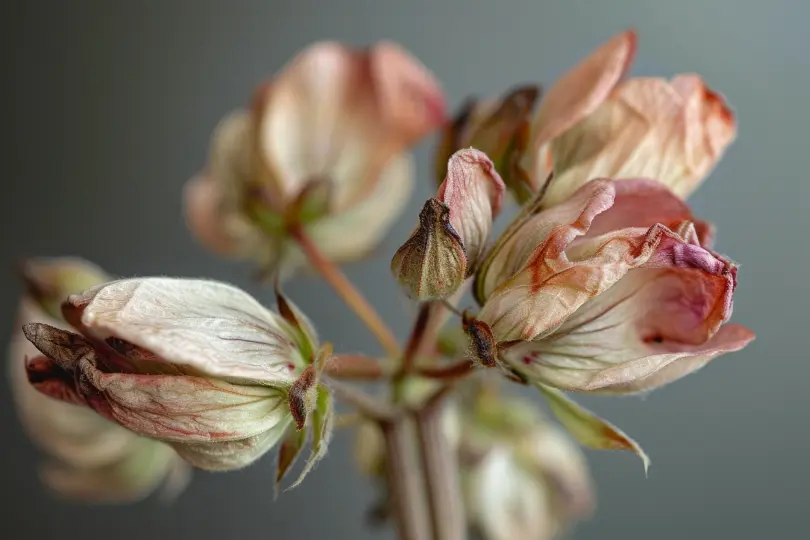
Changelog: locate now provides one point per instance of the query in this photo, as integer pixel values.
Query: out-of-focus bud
(500, 129)
(453, 229)
(90, 458)
(324, 147)
(198, 364)
(522, 477)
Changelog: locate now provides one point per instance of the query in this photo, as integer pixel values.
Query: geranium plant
(603, 282)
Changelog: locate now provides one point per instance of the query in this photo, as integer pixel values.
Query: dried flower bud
(324, 147)
(198, 364)
(90, 458)
(500, 129)
(431, 263)
(453, 229)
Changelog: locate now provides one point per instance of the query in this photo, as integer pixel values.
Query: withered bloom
(453, 230)
(594, 124)
(324, 146)
(198, 364)
(614, 291)
(90, 458)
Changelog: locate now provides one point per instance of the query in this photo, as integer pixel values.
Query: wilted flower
(591, 125)
(324, 146)
(198, 364)
(613, 291)
(523, 478)
(453, 229)
(91, 458)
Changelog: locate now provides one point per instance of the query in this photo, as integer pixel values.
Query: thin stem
(365, 404)
(416, 339)
(404, 483)
(441, 472)
(452, 371)
(356, 367)
(344, 288)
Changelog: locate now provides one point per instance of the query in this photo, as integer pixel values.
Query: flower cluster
(603, 282)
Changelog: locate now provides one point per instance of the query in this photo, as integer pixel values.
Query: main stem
(404, 482)
(346, 290)
(441, 474)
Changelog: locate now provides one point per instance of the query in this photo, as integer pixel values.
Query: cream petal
(212, 327)
(473, 191)
(302, 112)
(203, 200)
(231, 455)
(555, 227)
(654, 326)
(577, 94)
(674, 132)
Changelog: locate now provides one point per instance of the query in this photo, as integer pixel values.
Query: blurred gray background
(110, 109)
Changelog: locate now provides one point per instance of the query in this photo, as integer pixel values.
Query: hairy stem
(344, 288)
(441, 473)
(356, 367)
(404, 482)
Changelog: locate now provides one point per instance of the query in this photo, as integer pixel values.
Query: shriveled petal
(291, 447)
(431, 263)
(231, 455)
(643, 203)
(212, 327)
(167, 407)
(565, 222)
(473, 191)
(674, 132)
(587, 428)
(651, 328)
(556, 283)
(576, 95)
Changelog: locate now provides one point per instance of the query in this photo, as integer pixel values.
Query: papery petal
(203, 198)
(473, 191)
(587, 428)
(554, 285)
(643, 203)
(231, 455)
(577, 94)
(651, 328)
(674, 132)
(431, 263)
(566, 221)
(212, 327)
